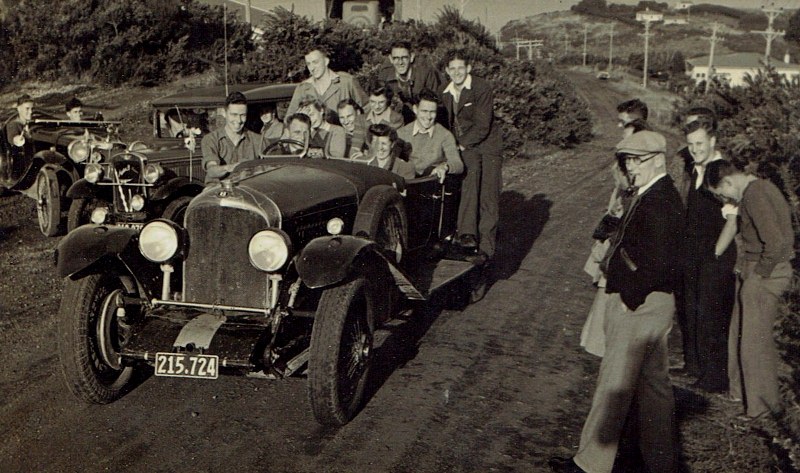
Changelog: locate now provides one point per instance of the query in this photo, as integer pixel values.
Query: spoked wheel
(341, 352)
(94, 325)
(48, 203)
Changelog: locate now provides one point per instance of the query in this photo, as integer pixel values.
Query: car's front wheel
(48, 203)
(93, 325)
(176, 210)
(80, 212)
(341, 351)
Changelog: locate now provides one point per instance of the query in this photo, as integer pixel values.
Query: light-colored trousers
(634, 374)
(752, 354)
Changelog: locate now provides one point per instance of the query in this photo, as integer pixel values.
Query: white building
(682, 5)
(648, 15)
(732, 68)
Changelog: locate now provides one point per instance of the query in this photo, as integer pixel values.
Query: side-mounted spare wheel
(93, 325)
(381, 217)
(341, 351)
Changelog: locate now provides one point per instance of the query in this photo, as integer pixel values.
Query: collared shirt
(218, 147)
(342, 86)
(418, 129)
(700, 169)
(455, 92)
(647, 186)
(431, 148)
(388, 116)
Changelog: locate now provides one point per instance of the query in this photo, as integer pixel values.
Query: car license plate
(135, 226)
(184, 365)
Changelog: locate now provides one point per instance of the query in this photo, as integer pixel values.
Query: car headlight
(137, 202)
(99, 215)
(335, 226)
(152, 173)
(269, 250)
(93, 172)
(79, 151)
(158, 241)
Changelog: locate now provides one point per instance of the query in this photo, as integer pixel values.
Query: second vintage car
(286, 268)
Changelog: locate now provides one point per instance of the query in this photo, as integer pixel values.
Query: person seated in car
(379, 110)
(271, 127)
(226, 147)
(355, 128)
(298, 129)
(327, 140)
(384, 152)
(74, 109)
(19, 125)
(433, 148)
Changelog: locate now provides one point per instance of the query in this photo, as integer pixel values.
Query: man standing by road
(232, 144)
(643, 273)
(709, 282)
(407, 77)
(433, 147)
(768, 246)
(326, 86)
(470, 116)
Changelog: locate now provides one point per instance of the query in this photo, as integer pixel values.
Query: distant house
(648, 15)
(732, 68)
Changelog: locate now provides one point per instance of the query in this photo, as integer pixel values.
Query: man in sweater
(433, 148)
(767, 242)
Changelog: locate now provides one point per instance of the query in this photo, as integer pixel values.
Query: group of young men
(435, 128)
(673, 252)
(19, 126)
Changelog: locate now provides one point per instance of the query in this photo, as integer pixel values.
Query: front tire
(48, 203)
(341, 352)
(91, 332)
(80, 212)
(176, 210)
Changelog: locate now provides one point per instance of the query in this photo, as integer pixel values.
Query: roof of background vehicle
(215, 96)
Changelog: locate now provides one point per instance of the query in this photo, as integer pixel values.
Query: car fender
(177, 185)
(329, 260)
(88, 244)
(83, 189)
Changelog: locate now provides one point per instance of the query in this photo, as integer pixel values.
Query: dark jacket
(647, 257)
(422, 77)
(472, 119)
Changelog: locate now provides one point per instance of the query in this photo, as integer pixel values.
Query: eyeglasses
(635, 159)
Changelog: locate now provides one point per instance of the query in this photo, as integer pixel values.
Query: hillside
(691, 39)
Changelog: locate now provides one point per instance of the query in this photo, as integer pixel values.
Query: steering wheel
(278, 146)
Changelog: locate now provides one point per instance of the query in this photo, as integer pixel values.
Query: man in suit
(643, 271)
(468, 101)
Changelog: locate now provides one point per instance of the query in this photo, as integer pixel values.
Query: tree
(793, 28)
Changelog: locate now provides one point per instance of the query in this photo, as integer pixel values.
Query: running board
(430, 277)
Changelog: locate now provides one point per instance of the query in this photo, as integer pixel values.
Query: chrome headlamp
(269, 250)
(152, 173)
(79, 150)
(93, 172)
(159, 241)
(137, 202)
(99, 215)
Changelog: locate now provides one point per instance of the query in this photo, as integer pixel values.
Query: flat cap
(643, 142)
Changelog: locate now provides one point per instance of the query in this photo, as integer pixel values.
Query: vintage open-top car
(286, 267)
(146, 181)
(45, 165)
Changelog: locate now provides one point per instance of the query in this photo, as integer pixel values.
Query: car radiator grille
(217, 269)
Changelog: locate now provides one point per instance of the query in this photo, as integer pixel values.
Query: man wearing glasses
(407, 77)
(643, 273)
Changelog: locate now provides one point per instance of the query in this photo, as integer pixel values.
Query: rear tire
(90, 336)
(341, 352)
(48, 203)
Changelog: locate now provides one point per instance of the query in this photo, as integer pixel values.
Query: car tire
(176, 210)
(341, 351)
(89, 337)
(49, 203)
(80, 212)
(382, 218)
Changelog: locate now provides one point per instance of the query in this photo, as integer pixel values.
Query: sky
(493, 13)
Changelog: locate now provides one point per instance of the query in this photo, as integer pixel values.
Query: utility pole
(646, 51)
(463, 5)
(713, 40)
(769, 34)
(566, 41)
(247, 15)
(419, 11)
(585, 35)
(611, 50)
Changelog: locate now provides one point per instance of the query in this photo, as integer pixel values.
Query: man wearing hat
(643, 271)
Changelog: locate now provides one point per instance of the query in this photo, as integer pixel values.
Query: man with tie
(643, 272)
(709, 281)
(468, 101)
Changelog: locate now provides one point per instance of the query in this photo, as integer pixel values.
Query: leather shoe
(468, 241)
(564, 465)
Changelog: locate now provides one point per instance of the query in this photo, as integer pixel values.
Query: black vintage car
(45, 165)
(158, 179)
(286, 268)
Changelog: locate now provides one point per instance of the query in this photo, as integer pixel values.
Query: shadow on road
(521, 223)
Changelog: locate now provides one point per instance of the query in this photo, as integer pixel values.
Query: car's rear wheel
(48, 203)
(93, 325)
(176, 210)
(381, 217)
(80, 212)
(341, 351)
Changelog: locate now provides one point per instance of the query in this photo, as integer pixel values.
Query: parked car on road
(146, 181)
(286, 268)
(43, 167)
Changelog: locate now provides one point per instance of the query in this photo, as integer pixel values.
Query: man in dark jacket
(643, 273)
(468, 101)
(407, 77)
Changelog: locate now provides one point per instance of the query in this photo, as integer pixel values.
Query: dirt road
(498, 386)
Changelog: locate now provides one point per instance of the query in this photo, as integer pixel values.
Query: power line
(713, 39)
(769, 34)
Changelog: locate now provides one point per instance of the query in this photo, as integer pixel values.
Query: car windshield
(175, 122)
